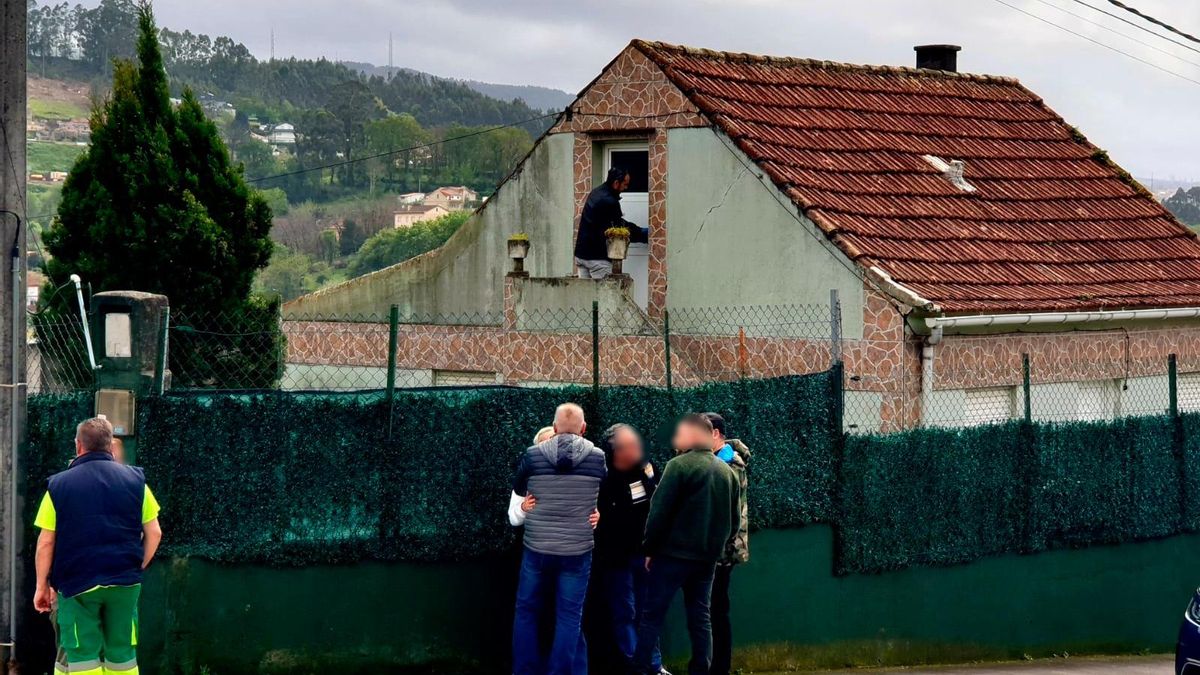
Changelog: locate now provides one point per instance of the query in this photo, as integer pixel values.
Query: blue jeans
(566, 577)
(625, 592)
(667, 576)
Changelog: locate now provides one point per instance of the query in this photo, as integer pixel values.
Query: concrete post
(14, 590)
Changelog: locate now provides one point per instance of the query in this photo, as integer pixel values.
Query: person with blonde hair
(565, 472)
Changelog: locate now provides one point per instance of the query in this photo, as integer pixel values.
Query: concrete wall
(565, 304)
(377, 617)
(732, 243)
(465, 276)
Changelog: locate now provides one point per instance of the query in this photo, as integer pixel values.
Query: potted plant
(618, 246)
(518, 250)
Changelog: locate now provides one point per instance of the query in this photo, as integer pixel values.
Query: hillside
(1185, 204)
(541, 98)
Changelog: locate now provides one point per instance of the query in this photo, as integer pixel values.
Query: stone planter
(618, 248)
(518, 250)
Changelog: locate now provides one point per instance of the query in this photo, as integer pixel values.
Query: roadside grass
(46, 156)
(60, 111)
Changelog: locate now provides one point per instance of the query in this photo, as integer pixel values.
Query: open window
(634, 156)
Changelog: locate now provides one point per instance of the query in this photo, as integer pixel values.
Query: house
(452, 198)
(966, 229)
(411, 215)
(410, 198)
(283, 133)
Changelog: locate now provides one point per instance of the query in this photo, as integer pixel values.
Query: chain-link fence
(894, 379)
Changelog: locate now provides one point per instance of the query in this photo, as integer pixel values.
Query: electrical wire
(1099, 43)
(1156, 22)
(1136, 25)
(1117, 32)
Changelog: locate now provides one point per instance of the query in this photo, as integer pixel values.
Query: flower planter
(518, 250)
(618, 246)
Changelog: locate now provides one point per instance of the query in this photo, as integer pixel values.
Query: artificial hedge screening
(296, 479)
(316, 478)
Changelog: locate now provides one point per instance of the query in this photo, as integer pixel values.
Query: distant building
(411, 215)
(283, 133)
(409, 198)
(452, 198)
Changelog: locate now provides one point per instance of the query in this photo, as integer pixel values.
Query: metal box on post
(128, 331)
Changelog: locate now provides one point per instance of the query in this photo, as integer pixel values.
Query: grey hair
(610, 433)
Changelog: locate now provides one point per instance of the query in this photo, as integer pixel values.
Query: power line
(1117, 32)
(1099, 43)
(1156, 22)
(1136, 25)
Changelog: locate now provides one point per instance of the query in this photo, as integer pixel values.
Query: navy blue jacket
(601, 211)
(98, 524)
(564, 474)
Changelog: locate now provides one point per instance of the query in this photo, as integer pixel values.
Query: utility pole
(14, 590)
(272, 44)
(390, 66)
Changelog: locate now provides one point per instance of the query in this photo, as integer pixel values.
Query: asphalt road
(1153, 665)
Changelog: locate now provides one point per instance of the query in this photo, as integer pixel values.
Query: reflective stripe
(60, 667)
(90, 671)
(80, 666)
(133, 632)
(123, 667)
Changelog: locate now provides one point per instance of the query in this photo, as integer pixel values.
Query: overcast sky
(1146, 118)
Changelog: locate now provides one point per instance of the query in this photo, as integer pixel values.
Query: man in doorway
(564, 472)
(99, 531)
(693, 517)
(734, 453)
(601, 211)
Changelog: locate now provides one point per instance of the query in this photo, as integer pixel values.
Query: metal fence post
(596, 351)
(835, 326)
(160, 359)
(667, 346)
(1173, 385)
(1025, 387)
(393, 340)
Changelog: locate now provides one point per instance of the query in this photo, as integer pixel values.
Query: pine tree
(156, 205)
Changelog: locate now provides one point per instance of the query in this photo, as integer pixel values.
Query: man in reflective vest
(99, 530)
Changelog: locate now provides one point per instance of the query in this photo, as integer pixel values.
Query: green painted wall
(466, 275)
(788, 608)
(731, 242)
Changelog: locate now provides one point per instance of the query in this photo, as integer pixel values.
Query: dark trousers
(722, 629)
(668, 576)
(565, 578)
(624, 591)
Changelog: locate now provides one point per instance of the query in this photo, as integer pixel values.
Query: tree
(156, 204)
(352, 237)
(395, 246)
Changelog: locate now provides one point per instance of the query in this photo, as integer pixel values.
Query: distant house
(411, 215)
(452, 198)
(283, 133)
(409, 198)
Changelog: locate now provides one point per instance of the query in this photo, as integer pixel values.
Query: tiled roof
(1051, 225)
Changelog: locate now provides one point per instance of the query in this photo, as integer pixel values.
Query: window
(635, 160)
(988, 406)
(462, 378)
(1097, 400)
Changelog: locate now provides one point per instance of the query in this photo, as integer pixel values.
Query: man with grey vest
(564, 474)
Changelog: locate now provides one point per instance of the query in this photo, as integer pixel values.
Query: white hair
(543, 434)
(568, 419)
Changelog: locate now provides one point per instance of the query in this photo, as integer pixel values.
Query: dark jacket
(601, 211)
(738, 550)
(564, 474)
(623, 514)
(98, 528)
(695, 511)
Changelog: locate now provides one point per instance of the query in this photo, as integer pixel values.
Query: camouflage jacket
(739, 550)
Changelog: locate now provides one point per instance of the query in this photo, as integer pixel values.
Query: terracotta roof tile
(1051, 224)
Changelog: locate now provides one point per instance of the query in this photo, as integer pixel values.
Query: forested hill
(1185, 204)
(544, 98)
(79, 43)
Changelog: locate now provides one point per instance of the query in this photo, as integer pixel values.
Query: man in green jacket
(694, 516)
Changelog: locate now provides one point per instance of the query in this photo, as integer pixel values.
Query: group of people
(604, 516)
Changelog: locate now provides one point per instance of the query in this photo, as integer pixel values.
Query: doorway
(634, 157)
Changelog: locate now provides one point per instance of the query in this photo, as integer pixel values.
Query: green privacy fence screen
(294, 479)
(291, 478)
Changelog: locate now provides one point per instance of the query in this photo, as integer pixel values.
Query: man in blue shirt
(99, 530)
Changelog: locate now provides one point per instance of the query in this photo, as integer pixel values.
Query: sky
(1144, 117)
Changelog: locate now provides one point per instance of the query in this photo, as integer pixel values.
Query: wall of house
(465, 277)
(731, 242)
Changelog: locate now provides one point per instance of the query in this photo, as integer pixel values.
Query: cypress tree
(156, 205)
